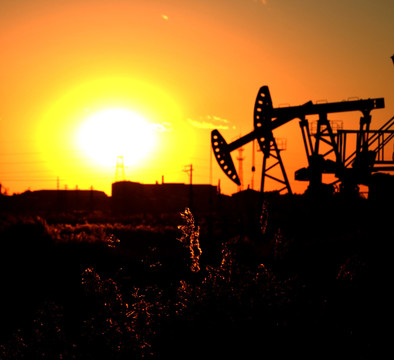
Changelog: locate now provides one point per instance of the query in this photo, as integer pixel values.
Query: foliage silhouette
(119, 291)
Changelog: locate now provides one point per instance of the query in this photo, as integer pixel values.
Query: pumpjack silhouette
(349, 169)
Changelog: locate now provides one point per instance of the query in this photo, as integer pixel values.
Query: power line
(21, 162)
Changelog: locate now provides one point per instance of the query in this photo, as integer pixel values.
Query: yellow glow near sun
(83, 131)
(110, 133)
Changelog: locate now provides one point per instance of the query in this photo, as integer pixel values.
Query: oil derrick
(240, 168)
(120, 174)
(349, 170)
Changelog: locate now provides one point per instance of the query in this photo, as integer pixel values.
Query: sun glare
(110, 133)
(86, 127)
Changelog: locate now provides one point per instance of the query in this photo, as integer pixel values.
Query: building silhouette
(127, 198)
(132, 197)
(55, 201)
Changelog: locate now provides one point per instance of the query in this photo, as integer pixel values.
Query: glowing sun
(110, 133)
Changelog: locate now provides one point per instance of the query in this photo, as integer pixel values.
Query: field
(301, 279)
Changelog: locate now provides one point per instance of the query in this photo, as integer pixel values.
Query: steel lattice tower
(120, 174)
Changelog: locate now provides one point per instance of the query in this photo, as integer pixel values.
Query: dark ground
(309, 280)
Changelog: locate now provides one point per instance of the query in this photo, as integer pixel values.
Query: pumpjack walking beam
(267, 118)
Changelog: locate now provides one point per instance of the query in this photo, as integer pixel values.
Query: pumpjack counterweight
(223, 157)
(266, 118)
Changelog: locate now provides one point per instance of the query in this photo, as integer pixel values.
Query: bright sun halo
(110, 133)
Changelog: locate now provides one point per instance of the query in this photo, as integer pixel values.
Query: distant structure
(253, 164)
(240, 159)
(54, 201)
(120, 174)
(189, 170)
(132, 197)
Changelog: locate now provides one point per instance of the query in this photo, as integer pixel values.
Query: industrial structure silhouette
(127, 198)
(352, 169)
(326, 145)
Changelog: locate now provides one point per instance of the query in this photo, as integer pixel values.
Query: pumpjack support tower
(350, 170)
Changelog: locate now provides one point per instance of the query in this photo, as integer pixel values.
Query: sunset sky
(181, 68)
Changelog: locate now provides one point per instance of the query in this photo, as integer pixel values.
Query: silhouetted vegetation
(299, 281)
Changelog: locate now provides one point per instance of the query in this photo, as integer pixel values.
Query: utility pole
(210, 167)
(240, 168)
(253, 163)
(189, 169)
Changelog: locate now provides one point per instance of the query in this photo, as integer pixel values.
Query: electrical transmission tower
(120, 174)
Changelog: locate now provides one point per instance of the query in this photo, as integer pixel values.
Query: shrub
(190, 239)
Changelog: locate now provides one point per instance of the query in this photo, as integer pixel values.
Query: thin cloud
(264, 2)
(217, 118)
(210, 122)
(163, 127)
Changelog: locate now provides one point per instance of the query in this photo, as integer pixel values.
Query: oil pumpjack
(350, 170)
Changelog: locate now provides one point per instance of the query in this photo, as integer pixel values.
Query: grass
(139, 291)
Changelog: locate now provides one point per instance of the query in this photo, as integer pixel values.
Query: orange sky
(184, 66)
